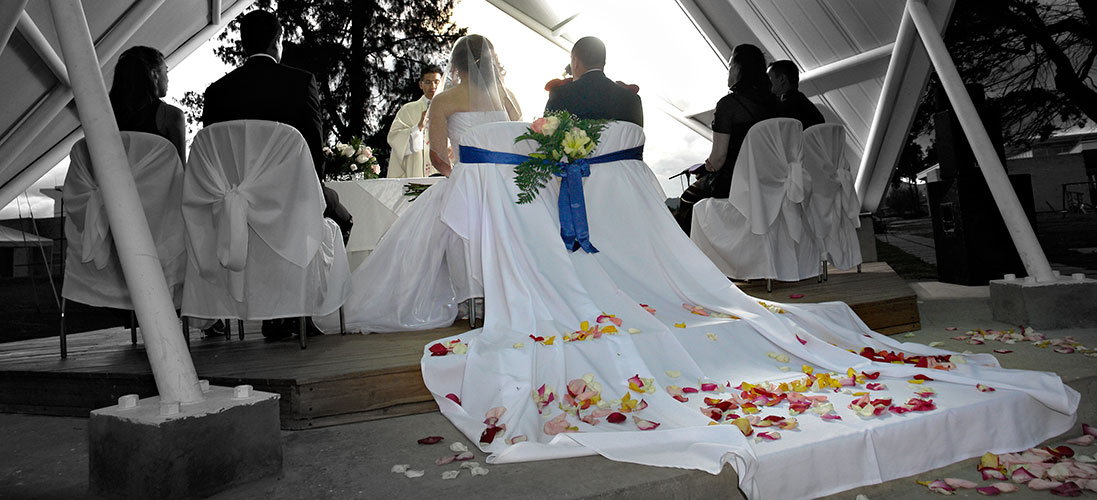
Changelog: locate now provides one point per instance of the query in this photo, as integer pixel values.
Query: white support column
(43, 48)
(172, 366)
(9, 16)
(1012, 213)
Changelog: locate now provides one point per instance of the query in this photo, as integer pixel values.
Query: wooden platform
(338, 379)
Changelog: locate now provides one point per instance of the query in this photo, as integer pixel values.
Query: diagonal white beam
(172, 367)
(43, 48)
(9, 16)
(989, 164)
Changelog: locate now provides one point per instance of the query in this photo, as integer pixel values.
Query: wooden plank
(294, 424)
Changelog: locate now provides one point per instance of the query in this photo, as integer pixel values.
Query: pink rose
(377, 169)
(538, 125)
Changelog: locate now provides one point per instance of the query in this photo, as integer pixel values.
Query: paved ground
(46, 457)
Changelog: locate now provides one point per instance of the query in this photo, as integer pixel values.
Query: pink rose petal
(444, 460)
(643, 424)
(1090, 430)
(961, 337)
(463, 456)
(831, 416)
(802, 341)
(984, 388)
(950, 328)
(518, 439)
(959, 483)
(796, 296)
(1083, 440)
(708, 387)
(1065, 350)
(690, 390)
(769, 436)
(941, 487)
(1021, 475)
(991, 473)
(1003, 351)
(1043, 484)
(1005, 487)
(989, 491)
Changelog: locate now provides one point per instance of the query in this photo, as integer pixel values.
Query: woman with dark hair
(750, 101)
(140, 80)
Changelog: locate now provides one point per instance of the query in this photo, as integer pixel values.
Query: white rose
(353, 167)
(347, 151)
(551, 123)
(327, 150)
(362, 149)
(362, 158)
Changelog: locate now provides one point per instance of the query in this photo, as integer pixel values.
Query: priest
(406, 135)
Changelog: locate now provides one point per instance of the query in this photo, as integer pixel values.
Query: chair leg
(472, 312)
(826, 270)
(822, 269)
(769, 285)
(301, 335)
(342, 322)
(64, 340)
(133, 327)
(228, 329)
(240, 326)
(858, 267)
(186, 330)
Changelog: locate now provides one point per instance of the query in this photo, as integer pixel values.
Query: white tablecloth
(375, 205)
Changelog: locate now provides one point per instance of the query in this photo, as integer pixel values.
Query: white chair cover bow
(758, 232)
(833, 208)
(93, 273)
(260, 247)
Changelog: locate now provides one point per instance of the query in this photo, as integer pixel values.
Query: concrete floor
(46, 457)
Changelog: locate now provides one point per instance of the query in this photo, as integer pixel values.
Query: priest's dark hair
(133, 89)
(788, 69)
(258, 29)
(428, 69)
(591, 51)
(752, 65)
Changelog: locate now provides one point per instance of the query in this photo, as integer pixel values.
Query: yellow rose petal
(634, 331)
(674, 373)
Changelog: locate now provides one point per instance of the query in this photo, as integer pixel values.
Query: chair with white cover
(258, 244)
(93, 273)
(833, 208)
(759, 231)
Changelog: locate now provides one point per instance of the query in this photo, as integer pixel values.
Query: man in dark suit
(592, 95)
(264, 89)
(784, 77)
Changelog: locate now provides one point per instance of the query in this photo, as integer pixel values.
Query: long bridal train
(648, 329)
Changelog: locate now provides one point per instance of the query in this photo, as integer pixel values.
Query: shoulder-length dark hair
(133, 88)
(752, 66)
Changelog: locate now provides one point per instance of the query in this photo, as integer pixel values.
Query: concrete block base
(190, 451)
(1066, 303)
(866, 238)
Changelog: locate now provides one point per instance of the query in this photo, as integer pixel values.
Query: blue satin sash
(572, 204)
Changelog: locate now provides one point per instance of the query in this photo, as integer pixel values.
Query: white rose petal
(414, 473)
(470, 465)
(479, 471)
(634, 331)
(400, 468)
(674, 373)
(458, 447)
(450, 474)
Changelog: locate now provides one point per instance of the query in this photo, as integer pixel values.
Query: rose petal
(1088, 429)
(796, 296)
(768, 436)
(414, 473)
(615, 418)
(479, 471)
(802, 341)
(400, 468)
(438, 350)
(950, 328)
(644, 424)
(1003, 351)
(453, 397)
(458, 447)
(521, 438)
(488, 436)
(941, 487)
(991, 473)
(1067, 489)
(470, 465)
(708, 387)
(1043, 484)
(984, 388)
(960, 483)
(1083, 440)
(450, 474)
(464, 455)
(988, 491)
(1065, 350)
(1005, 487)
(690, 390)
(1021, 475)
(430, 440)
(444, 460)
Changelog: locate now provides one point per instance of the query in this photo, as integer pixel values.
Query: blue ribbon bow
(571, 203)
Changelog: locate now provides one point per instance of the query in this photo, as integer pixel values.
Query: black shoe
(218, 329)
(275, 329)
(294, 326)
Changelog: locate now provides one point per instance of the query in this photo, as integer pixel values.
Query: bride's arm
(439, 140)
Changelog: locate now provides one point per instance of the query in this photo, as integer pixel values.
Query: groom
(592, 95)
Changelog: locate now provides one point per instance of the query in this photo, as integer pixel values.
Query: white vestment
(407, 141)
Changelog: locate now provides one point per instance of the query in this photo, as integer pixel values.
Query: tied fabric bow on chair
(95, 241)
(572, 204)
(850, 205)
(794, 194)
(231, 221)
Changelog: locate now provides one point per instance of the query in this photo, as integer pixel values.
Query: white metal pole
(9, 16)
(41, 46)
(172, 366)
(1012, 213)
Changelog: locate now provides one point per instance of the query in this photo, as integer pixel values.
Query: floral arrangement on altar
(352, 160)
(562, 138)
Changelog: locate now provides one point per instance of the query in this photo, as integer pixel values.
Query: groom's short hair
(428, 69)
(788, 69)
(258, 29)
(591, 51)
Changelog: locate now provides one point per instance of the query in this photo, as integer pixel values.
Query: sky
(675, 67)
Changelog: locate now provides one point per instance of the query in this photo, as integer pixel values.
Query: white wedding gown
(405, 283)
(537, 293)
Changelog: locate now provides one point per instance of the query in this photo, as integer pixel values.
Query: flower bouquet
(562, 138)
(349, 161)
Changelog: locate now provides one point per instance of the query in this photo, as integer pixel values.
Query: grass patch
(905, 265)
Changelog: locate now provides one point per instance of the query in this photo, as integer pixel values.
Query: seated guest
(785, 82)
(140, 80)
(264, 89)
(750, 101)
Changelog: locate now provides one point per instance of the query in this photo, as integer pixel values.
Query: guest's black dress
(736, 112)
(158, 118)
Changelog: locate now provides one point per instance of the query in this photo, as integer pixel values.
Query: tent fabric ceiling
(30, 124)
(843, 48)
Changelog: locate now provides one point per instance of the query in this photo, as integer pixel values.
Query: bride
(405, 282)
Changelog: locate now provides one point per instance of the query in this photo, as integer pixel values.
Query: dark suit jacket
(262, 89)
(794, 104)
(593, 96)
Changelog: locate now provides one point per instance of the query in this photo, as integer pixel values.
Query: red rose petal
(438, 350)
(453, 397)
(430, 440)
(796, 296)
(615, 418)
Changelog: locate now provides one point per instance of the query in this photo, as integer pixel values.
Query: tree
(1035, 59)
(366, 56)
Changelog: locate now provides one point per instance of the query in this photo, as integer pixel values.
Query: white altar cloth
(375, 205)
